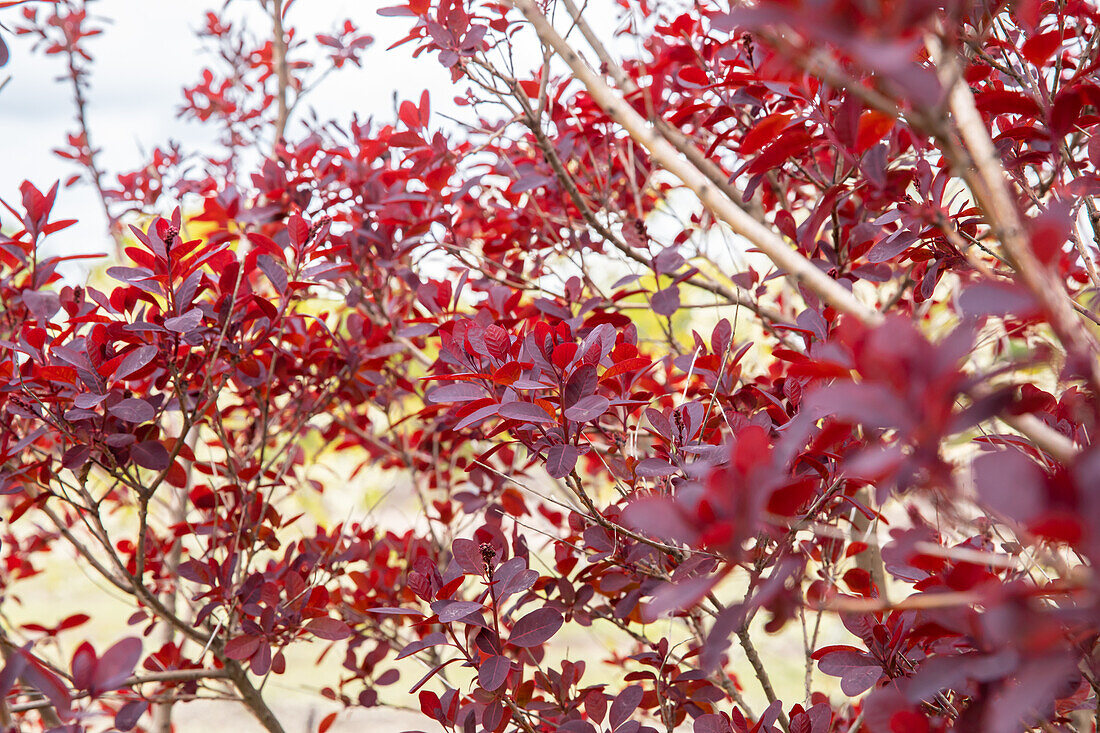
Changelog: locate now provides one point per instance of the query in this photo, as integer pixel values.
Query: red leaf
(1038, 49)
(242, 647)
(626, 365)
(1065, 111)
(507, 374)
(328, 628)
(764, 132)
(693, 77)
(298, 231)
(73, 621)
(1002, 101)
(497, 341)
(872, 127)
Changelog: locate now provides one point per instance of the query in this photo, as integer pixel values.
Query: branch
(981, 169)
(282, 72)
(170, 675)
(796, 267)
(735, 297)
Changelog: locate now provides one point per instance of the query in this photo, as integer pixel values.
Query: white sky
(142, 61)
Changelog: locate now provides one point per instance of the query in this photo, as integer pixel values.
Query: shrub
(718, 326)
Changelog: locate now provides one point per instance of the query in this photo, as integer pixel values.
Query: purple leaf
(507, 570)
(560, 460)
(242, 647)
(184, 323)
(588, 408)
(274, 271)
(660, 517)
(654, 468)
(88, 400)
(449, 611)
(536, 627)
(431, 673)
(135, 360)
(677, 596)
(524, 412)
(624, 705)
(1010, 483)
(868, 403)
(394, 611)
(433, 639)
(35, 674)
(493, 672)
(12, 669)
(581, 384)
(42, 304)
(130, 713)
(477, 416)
(576, 726)
(666, 302)
(133, 410)
(468, 555)
(260, 662)
(457, 392)
(116, 665)
(669, 260)
(712, 723)
(519, 582)
(76, 457)
(997, 299)
(891, 246)
(858, 671)
(151, 454)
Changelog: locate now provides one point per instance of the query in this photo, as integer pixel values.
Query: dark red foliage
(782, 323)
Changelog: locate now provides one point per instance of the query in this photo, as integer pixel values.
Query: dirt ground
(299, 714)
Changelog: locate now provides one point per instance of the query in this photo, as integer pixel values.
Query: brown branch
(76, 78)
(795, 266)
(282, 71)
(981, 168)
(170, 675)
(761, 672)
(734, 297)
(574, 483)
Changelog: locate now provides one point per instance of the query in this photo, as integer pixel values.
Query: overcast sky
(142, 60)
